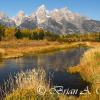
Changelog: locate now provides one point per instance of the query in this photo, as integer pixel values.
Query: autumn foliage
(9, 33)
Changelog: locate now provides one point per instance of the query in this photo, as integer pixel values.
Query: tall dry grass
(90, 64)
(27, 83)
(90, 71)
(89, 68)
(25, 50)
(32, 85)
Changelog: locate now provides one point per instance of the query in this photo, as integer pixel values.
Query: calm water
(54, 65)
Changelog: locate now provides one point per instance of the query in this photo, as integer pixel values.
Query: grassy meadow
(12, 49)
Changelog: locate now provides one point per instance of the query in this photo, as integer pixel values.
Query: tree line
(7, 33)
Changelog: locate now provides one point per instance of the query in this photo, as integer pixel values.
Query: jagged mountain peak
(41, 14)
(62, 13)
(61, 20)
(32, 16)
(3, 15)
(42, 6)
(66, 9)
(5, 20)
(19, 17)
(21, 13)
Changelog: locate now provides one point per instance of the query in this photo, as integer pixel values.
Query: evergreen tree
(2, 30)
(18, 34)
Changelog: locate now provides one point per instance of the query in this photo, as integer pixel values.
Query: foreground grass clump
(74, 69)
(90, 65)
(2, 52)
(24, 47)
(89, 68)
(32, 85)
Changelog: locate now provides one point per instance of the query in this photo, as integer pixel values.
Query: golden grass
(74, 69)
(90, 64)
(93, 44)
(28, 85)
(23, 47)
(89, 68)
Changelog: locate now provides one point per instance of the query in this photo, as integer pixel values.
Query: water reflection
(52, 63)
(60, 60)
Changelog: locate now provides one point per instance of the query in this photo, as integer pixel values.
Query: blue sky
(90, 8)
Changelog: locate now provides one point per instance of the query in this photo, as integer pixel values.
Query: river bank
(20, 48)
(89, 69)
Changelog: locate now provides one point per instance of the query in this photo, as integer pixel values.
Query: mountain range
(60, 21)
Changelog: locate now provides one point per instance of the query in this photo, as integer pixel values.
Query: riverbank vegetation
(89, 69)
(32, 85)
(25, 47)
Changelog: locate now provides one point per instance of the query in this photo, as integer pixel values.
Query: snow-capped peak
(3, 15)
(33, 16)
(21, 14)
(58, 20)
(41, 7)
(41, 14)
(19, 17)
